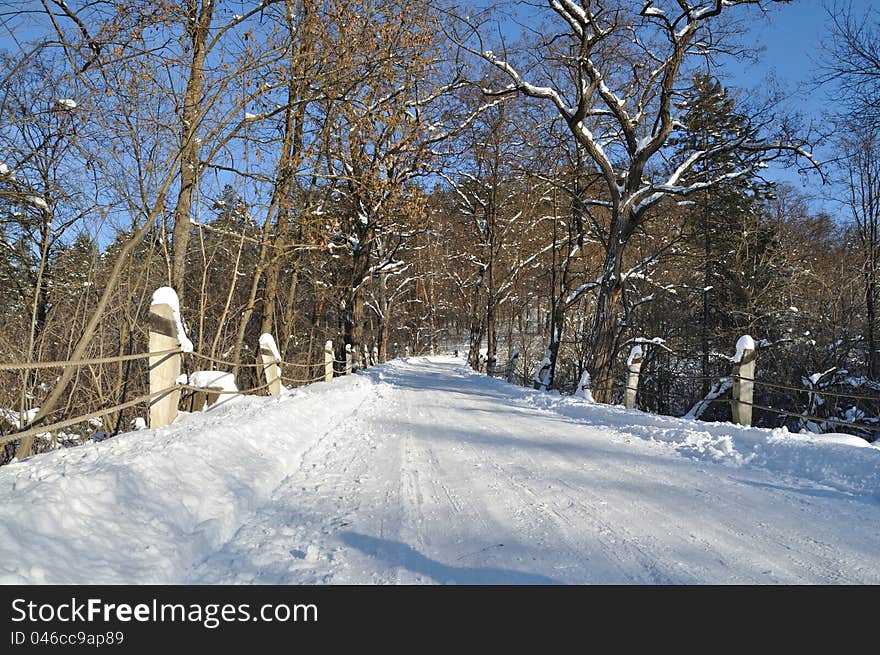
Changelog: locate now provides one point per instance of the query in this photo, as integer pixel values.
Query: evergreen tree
(728, 235)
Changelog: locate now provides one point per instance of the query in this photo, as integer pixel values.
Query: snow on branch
(644, 341)
(544, 92)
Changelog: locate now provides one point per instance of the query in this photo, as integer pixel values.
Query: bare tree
(615, 92)
(860, 177)
(850, 60)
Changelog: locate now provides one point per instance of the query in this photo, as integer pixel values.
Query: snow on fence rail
(167, 344)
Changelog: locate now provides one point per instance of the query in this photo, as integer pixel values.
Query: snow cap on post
(584, 387)
(635, 356)
(633, 371)
(168, 296)
(210, 383)
(209, 380)
(349, 359)
(166, 333)
(744, 343)
(267, 341)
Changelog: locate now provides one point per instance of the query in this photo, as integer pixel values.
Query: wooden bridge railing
(167, 345)
(741, 383)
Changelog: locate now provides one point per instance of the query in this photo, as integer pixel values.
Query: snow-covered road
(420, 471)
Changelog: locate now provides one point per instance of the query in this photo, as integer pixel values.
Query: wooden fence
(167, 346)
(741, 384)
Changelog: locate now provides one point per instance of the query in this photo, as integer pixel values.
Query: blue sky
(790, 35)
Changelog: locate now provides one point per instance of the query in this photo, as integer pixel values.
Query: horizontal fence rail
(164, 328)
(166, 388)
(30, 366)
(738, 394)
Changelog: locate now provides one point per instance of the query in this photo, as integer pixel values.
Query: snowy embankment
(422, 471)
(146, 506)
(839, 461)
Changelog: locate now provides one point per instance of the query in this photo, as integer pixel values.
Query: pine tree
(728, 236)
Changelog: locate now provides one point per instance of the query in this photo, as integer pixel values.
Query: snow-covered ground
(420, 471)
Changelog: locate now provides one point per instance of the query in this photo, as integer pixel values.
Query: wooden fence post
(165, 333)
(271, 363)
(511, 368)
(743, 380)
(348, 359)
(328, 361)
(634, 369)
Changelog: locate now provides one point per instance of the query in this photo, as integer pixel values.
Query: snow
(267, 341)
(584, 387)
(37, 201)
(65, 103)
(168, 296)
(718, 389)
(643, 143)
(13, 418)
(743, 344)
(422, 471)
(209, 380)
(838, 438)
(250, 117)
(634, 354)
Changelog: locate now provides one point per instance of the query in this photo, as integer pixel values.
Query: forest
(546, 189)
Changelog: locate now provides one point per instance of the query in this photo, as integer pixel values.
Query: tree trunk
(189, 160)
(707, 282)
(270, 293)
(39, 311)
(606, 324)
(475, 330)
(352, 325)
(353, 303)
(870, 318)
(491, 336)
(288, 315)
(383, 319)
(559, 291)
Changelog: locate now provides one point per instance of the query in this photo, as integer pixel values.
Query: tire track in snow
(429, 475)
(730, 550)
(536, 516)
